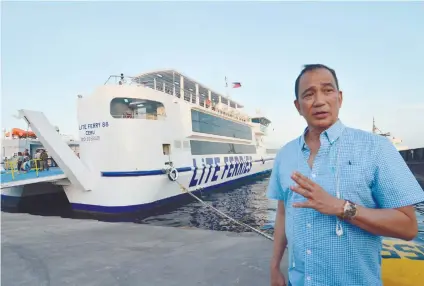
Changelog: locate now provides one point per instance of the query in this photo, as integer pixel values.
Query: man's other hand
(277, 278)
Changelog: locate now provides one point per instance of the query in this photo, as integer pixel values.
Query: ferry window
(206, 123)
(166, 148)
(214, 97)
(137, 108)
(209, 148)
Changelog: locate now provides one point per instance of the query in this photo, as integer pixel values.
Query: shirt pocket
(354, 184)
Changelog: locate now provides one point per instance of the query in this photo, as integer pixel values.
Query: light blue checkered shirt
(372, 174)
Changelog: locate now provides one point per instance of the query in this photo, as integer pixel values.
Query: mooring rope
(184, 189)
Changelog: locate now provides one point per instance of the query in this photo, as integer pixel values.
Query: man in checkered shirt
(339, 190)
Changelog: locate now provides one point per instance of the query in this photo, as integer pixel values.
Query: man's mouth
(320, 113)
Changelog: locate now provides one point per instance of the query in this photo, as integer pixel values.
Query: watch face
(350, 211)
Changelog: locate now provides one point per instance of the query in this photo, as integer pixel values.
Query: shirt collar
(331, 134)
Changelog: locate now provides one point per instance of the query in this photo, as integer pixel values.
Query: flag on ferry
(236, 84)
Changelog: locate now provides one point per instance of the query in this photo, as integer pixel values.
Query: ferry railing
(36, 165)
(147, 116)
(12, 167)
(118, 80)
(169, 87)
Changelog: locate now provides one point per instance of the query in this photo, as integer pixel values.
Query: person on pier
(339, 190)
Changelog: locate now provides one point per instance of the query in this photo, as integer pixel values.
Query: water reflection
(247, 204)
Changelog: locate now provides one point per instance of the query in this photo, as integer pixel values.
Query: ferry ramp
(9, 179)
(71, 166)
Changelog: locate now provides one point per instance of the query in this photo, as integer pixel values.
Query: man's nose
(319, 99)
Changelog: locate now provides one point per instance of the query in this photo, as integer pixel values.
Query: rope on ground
(184, 189)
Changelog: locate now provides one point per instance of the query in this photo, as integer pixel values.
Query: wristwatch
(349, 210)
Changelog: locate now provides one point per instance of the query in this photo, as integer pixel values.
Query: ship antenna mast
(375, 129)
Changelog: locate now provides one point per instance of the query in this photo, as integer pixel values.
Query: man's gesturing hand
(317, 198)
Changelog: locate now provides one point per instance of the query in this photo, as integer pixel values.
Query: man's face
(319, 100)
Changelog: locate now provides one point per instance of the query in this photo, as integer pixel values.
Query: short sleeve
(394, 184)
(274, 190)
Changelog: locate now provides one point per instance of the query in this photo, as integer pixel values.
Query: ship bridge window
(215, 148)
(210, 124)
(137, 108)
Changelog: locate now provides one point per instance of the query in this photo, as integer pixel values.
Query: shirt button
(308, 251)
(313, 175)
(308, 278)
(308, 225)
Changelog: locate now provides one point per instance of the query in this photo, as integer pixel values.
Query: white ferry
(140, 134)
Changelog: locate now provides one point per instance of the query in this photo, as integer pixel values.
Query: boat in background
(414, 158)
(395, 141)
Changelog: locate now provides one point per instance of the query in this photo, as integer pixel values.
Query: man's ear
(296, 103)
(340, 98)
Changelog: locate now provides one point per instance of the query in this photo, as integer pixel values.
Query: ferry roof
(171, 75)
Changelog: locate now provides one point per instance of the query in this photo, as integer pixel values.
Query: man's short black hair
(312, 67)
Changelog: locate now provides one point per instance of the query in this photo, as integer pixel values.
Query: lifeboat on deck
(20, 133)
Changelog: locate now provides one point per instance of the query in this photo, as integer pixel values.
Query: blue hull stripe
(156, 172)
(149, 206)
(141, 173)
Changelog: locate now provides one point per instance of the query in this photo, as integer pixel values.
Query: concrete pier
(53, 251)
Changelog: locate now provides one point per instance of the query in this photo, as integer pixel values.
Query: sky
(52, 51)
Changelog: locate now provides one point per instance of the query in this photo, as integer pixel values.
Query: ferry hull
(10, 197)
(129, 192)
(417, 169)
(29, 194)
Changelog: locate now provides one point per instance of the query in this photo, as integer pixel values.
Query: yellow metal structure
(402, 263)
